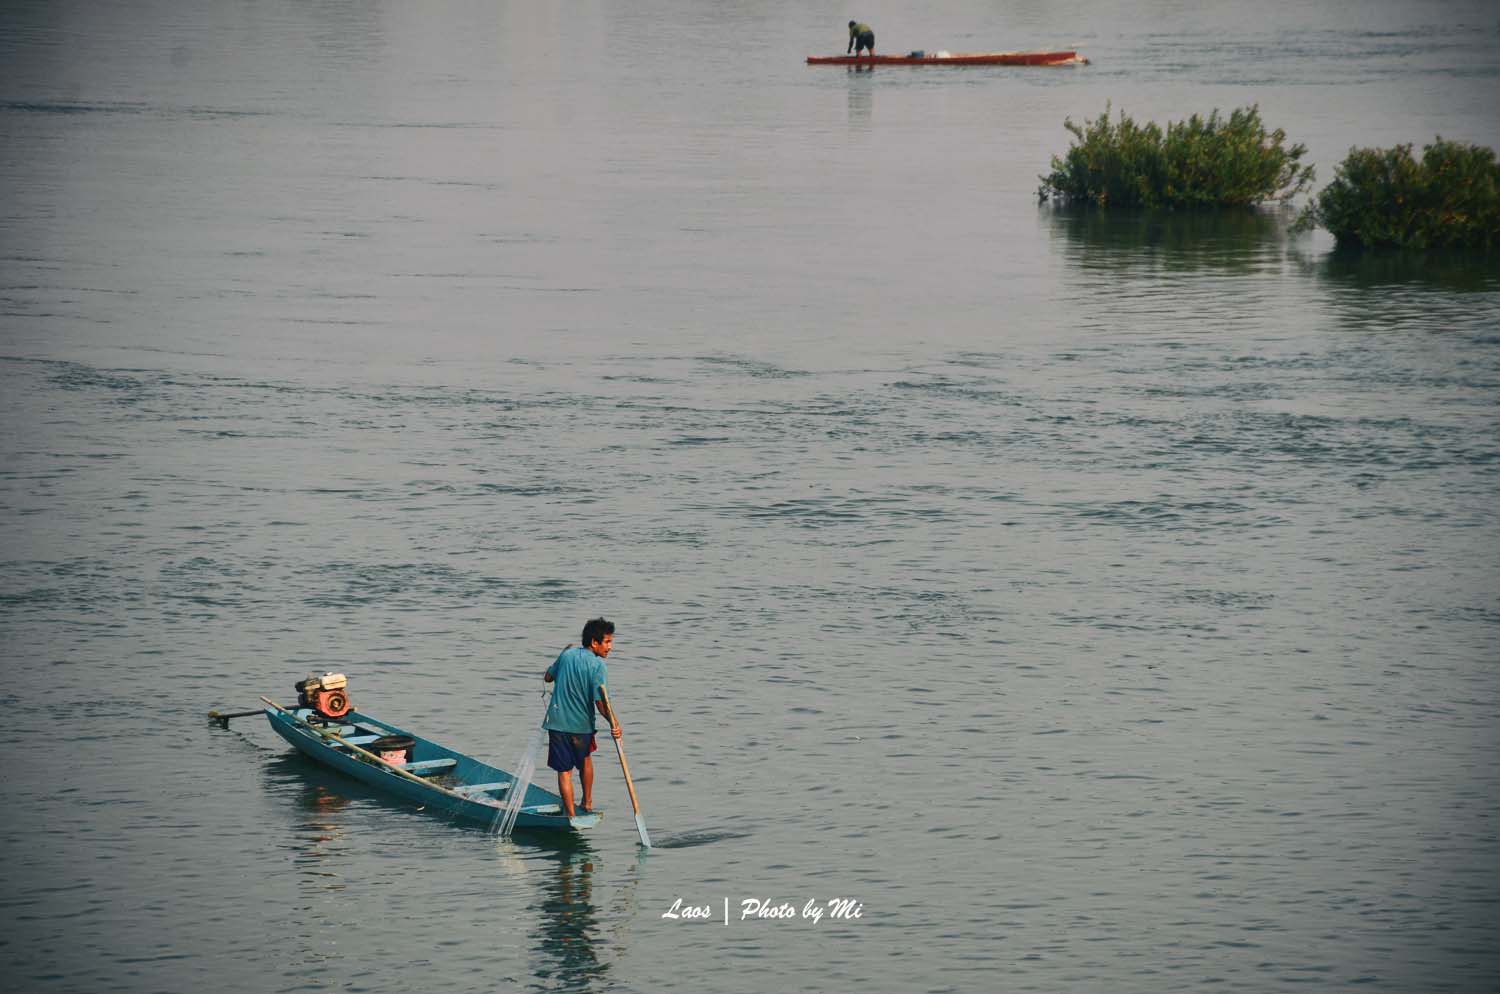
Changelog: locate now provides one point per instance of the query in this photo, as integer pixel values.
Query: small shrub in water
(1385, 197)
(1200, 162)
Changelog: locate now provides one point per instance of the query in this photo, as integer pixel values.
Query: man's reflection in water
(861, 100)
(568, 925)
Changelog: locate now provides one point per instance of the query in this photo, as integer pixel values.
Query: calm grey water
(1105, 603)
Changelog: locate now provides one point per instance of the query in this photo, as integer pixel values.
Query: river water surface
(1103, 603)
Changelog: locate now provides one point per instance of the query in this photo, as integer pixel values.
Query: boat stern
(550, 816)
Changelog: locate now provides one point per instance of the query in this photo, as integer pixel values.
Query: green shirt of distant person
(860, 35)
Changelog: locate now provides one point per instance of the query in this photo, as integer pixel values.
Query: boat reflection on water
(319, 811)
(1133, 240)
(322, 833)
(320, 804)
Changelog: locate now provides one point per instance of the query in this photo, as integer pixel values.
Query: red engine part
(329, 703)
(328, 694)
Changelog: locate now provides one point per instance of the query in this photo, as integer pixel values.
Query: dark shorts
(567, 750)
(866, 40)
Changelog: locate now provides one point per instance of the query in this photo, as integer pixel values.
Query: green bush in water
(1200, 162)
(1385, 197)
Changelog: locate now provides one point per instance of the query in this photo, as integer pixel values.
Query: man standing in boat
(861, 35)
(579, 674)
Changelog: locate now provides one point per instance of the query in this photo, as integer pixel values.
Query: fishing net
(525, 767)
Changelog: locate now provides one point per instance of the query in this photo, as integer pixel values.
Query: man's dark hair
(595, 630)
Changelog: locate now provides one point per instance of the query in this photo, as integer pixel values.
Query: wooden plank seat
(429, 766)
(358, 740)
(499, 787)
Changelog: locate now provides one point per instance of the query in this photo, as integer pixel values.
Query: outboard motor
(327, 694)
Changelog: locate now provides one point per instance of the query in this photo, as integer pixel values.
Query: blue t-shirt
(577, 675)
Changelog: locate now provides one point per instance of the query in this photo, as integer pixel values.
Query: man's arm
(614, 726)
(551, 673)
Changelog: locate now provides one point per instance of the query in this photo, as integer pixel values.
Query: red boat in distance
(956, 59)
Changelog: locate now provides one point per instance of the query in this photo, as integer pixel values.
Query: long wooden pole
(369, 756)
(640, 820)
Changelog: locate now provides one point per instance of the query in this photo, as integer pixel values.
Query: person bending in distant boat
(862, 36)
(579, 674)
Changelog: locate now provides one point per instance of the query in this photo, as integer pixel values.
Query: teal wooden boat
(437, 779)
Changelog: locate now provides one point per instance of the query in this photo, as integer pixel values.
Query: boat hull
(967, 59)
(465, 771)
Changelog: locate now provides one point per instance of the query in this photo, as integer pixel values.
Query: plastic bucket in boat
(393, 748)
